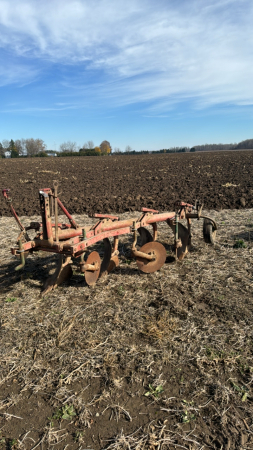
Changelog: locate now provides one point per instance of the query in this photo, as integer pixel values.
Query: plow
(73, 242)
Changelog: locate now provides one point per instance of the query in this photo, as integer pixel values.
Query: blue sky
(149, 74)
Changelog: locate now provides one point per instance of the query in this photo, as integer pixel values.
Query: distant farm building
(51, 153)
(7, 154)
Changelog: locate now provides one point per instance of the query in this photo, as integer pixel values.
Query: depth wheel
(209, 233)
(159, 253)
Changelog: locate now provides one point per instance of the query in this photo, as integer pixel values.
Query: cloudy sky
(149, 74)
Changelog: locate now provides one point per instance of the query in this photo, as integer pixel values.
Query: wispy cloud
(155, 53)
(37, 110)
(15, 71)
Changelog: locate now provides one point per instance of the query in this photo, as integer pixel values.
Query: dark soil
(126, 183)
(160, 361)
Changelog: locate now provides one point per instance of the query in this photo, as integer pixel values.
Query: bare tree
(20, 146)
(34, 146)
(68, 147)
(117, 150)
(88, 145)
(128, 149)
(5, 144)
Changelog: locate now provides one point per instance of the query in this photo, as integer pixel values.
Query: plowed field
(126, 183)
(160, 361)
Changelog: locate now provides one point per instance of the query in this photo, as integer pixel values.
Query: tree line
(245, 145)
(37, 148)
(22, 147)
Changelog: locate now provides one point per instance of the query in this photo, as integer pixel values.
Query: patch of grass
(67, 412)
(12, 444)
(221, 355)
(187, 416)
(244, 367)
(79, 437)
(243, 391)
(121, 290)
(10, 299)
(239, 244)
(154, 391)
(128, 261)
(212, 354)
(181, 380)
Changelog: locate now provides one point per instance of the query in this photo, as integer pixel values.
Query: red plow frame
(70, 240)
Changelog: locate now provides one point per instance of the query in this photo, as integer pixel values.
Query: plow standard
(72, 241)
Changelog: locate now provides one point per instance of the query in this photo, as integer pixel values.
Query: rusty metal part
(106, 258)
(114, 262)
(21, 240)
(6, 194)
(209, 231)
(63, 272)
(56, 211)
(154, 256)
(21, 255)
(145, 235)
(155, 232)
(140, 254)
(46, 215)
(189, 227)
(115, 247)
(92, 268)
(182, 238)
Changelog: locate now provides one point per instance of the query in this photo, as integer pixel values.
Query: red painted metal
(72, 240)
(149, 210)
(70, 237)
(9, 200)
(72, 221)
